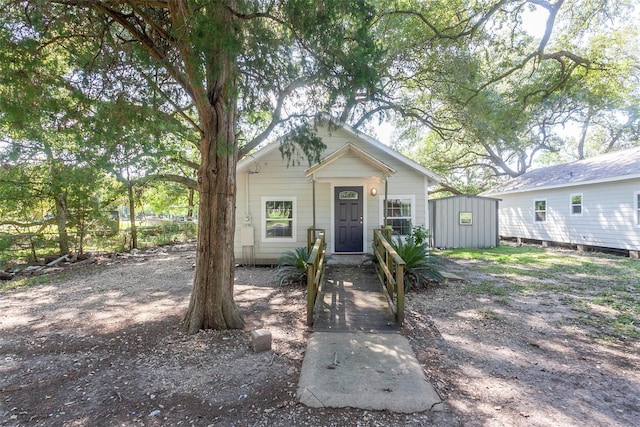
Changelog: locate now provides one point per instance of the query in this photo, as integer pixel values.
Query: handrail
(315, 271)
(312, 236)
(390, 269)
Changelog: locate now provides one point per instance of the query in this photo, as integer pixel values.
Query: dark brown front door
(348, 216)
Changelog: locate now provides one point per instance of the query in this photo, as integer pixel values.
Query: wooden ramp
(356, 356)
(351, 300)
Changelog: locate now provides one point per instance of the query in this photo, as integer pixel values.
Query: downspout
(313, 183)
(386, 199)
(247, 215)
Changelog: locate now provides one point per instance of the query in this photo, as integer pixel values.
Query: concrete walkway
(356, 357)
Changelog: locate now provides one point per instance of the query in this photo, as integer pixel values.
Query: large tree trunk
(212, 305)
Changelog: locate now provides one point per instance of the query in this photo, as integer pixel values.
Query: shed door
(348, 217)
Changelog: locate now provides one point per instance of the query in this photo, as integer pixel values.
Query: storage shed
(464, 221)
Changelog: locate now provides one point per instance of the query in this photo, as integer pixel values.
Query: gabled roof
(388, 150)
(615, 166)
(251, 159)
(346, 149)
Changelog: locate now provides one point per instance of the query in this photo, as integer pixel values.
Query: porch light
(374, 191)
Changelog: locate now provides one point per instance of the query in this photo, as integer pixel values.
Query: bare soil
(101, 345)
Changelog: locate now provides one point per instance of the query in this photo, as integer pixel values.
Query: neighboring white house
(591, 202)
(343, 194)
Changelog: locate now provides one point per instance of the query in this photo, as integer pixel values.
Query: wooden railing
(390, 269)
(315, 268)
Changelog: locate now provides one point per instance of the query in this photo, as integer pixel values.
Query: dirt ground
(101, 345)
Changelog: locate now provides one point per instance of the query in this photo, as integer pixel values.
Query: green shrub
(419, 234)
(419, 266)
(292, 266)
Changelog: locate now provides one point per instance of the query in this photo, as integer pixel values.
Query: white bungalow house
(591, 202)
(343, 194)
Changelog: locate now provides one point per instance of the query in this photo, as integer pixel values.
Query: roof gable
(251, 159)
(342, 152)
(618, 165)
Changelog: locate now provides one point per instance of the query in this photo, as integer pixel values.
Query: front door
(348, 217)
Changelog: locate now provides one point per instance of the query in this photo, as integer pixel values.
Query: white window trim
(571, 196)
(546, 210)
(263, 219)
(636, 208)
(411, 197)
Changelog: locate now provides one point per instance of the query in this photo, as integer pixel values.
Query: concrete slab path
(356, 357)
(365, 371)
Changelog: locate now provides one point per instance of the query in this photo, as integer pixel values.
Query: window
(576, 204)
(348, 195)
(400, 213)
(278, 219)
(637, 208)
(540, 210)
(466, 218)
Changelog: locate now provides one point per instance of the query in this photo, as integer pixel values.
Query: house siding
(271, 177)
(608, 216)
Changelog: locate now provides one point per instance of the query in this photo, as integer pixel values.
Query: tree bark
(190, 204)
(212, 305)
(132, 216)
(583, 135)
(61, 218)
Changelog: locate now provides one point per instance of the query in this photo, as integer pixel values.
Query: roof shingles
(618, 164)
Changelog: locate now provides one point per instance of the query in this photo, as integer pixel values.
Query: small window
(540, 208)
(278, 219)
(348, 195)
(637, 208)
(576, 204)
(466, 218)
(400, 212)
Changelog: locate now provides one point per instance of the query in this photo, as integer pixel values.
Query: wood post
(315, 265)
(400, 294)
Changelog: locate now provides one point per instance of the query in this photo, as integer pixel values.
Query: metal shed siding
(609, 216)
(445, 222)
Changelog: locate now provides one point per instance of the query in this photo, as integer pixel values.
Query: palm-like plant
(292, 266)
(419, 266)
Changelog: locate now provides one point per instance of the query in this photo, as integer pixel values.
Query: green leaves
(292, 266)
(420, 266)
(301, 144)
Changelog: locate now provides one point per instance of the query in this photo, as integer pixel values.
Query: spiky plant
(419, 266)
(292, 266)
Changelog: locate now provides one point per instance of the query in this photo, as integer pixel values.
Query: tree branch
(275, 117)
(188, 182)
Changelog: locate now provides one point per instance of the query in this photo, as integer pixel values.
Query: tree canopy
(481, 92)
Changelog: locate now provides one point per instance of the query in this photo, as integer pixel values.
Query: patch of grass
(486, 287)
(604, 289)
(489, 314)
(502, 300)
(36, 280)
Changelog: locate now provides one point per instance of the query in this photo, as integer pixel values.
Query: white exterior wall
(275, 179)
(609, 215)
